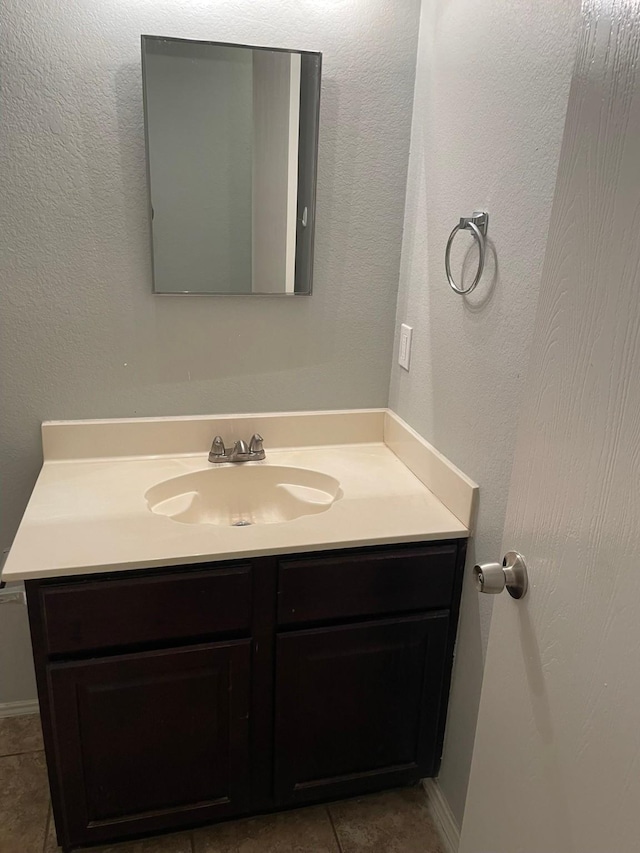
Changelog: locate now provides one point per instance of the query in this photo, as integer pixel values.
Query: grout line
(192, 841)
(24, 752)
(333, 827)
(47, 824)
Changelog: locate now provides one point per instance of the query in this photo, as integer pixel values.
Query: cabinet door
(357, 706)
(150, 740)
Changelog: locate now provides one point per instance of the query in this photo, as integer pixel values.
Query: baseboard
(16, 709)
(442, 815)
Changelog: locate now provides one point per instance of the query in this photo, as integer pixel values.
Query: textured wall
(491, 93)
(82, 335)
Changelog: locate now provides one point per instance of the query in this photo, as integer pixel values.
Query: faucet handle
(255, 445)
(217, 448)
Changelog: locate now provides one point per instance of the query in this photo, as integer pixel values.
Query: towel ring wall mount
(478, 224)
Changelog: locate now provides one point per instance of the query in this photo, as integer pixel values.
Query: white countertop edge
(219, 556)
(215, 417)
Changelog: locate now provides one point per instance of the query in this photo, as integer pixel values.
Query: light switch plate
(404, 352)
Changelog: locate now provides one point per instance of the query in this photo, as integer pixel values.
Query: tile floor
(392, 822)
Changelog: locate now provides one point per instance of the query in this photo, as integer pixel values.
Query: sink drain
(241, 523)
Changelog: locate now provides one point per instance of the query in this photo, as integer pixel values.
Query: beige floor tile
(299, 831)
(222, 838)
(50, 844)
(391, 822)
(24, 802)
(20, 734)
(160, 844)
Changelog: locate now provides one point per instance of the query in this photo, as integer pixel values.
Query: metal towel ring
(478, 224)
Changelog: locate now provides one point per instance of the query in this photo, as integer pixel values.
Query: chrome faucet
(254, 452)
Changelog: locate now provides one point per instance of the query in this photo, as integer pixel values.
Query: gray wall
(492, 86)
(82, 336)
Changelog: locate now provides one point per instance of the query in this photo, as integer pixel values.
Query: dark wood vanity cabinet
(176, 697)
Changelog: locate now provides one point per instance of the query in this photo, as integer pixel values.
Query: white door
(556, 766)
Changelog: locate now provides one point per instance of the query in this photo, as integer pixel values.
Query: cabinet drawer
(159, 608)
(330, 588)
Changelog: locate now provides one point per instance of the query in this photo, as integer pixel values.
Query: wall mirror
(231, 137)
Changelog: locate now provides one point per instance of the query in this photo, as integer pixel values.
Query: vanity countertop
(89, 513)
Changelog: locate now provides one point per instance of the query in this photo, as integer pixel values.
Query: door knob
(493, 577)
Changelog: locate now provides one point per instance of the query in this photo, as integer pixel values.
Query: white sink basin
(242, 495)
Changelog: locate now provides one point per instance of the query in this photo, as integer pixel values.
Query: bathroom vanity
(180, 696)
(265, 674)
